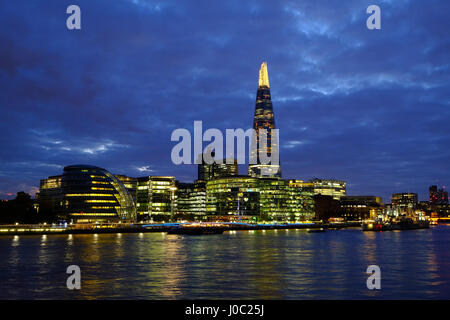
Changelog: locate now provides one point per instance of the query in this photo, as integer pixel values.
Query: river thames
(275, 264)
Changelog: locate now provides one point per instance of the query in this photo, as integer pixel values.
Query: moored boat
(316, 230)
(402, 224)
(376, 226)
(189, 230)
(409, 224)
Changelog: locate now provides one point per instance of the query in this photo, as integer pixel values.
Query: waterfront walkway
(39, 229)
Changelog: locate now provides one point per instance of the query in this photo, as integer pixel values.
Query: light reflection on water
(236, 265)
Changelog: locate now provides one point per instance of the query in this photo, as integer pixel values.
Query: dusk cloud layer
(370, 107)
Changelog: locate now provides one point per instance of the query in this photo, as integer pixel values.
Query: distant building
(155, 198)
(405, 203)
(356, 208)
(328, 187)
(438, 196)
(217, 169)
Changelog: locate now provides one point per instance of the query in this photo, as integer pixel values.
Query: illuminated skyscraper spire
(263, 76)
(264, 120)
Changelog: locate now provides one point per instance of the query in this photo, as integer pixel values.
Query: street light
(173, 189)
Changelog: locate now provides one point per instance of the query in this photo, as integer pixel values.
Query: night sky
(370, 107)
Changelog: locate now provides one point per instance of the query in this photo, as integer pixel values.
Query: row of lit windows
(97, 188)
(104, 201)
(99, 182)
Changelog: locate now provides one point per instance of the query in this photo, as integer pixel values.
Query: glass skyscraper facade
(155, 197)
(191, 199)
(237, 195)
(264, 120)
(262, 198)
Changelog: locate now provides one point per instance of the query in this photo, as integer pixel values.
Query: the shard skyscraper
(264, 152)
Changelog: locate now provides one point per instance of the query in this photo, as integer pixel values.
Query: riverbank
(160, 227)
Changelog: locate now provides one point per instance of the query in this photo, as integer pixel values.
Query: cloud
(369, 107)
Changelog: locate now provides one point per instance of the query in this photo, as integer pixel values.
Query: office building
(354, 208)
(218, 169)
(155, 198)
(438, 197)
(404, 203)
(264, 120)
(328, 187)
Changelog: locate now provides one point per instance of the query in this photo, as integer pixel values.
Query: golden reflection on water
(239, 264)
(174, 258)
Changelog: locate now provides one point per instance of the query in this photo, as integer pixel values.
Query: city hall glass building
(87, 194)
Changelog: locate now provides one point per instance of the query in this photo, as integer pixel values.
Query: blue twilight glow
(370, 107)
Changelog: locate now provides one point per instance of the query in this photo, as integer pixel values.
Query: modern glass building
(328, 187)
(404, 203)
(261, 198)
(50, 197)
(217, 169)
(92, 194)
(283, 200)
(264, 119)
(238, 195)
(191, 199)
(301, 200)
(130, 184)
(156, 198)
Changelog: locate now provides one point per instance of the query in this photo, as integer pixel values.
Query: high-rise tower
(264, 120)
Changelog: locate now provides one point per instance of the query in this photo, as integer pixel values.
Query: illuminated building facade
(260, 198)
(50, 197)
(217, 169)
(183, 199)
(274, 199)
(238, 195)
(405, 203)
(92, 194)
(264, 120)
(191, 199)
(155, 198)
(354, 208)
(301, 200)
(327, 187)
(129, 183)
(438, 196)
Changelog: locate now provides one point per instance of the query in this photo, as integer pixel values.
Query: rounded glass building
(92, 194)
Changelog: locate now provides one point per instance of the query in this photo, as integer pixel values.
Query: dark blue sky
(370, 107)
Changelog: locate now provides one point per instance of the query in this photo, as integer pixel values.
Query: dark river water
(283, 264)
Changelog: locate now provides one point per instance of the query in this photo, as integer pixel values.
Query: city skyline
(373, 113)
